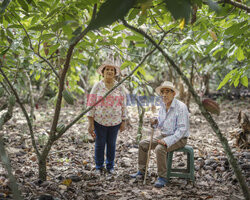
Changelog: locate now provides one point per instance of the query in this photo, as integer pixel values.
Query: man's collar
(172, 104)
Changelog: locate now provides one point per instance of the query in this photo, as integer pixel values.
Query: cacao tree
(63, 40)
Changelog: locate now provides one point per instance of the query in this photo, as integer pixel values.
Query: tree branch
(23, 109)
(32, 104)
(32, 48)
(53, 137)
(204, 112)
(236, 4)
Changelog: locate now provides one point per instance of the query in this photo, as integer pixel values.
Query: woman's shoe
(137, 175)
(98, 172)
(111, 172)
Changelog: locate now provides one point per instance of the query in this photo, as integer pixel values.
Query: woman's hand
(91, 130)
(122, 127)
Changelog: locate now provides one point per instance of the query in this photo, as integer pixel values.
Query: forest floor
(70, 167)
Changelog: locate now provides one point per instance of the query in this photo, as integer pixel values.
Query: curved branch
(236, 4)
(23, 109)
(204, 112)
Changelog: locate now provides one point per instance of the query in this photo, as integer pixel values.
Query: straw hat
(111, 64)
(169, 85)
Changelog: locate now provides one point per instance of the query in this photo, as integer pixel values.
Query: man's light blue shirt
(174, 124)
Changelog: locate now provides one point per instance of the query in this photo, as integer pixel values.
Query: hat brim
(158, 90)
(99, 70)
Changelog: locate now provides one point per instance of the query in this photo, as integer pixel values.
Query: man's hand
(122, 127)
(153, 122)
(91, 130)
(162, 142)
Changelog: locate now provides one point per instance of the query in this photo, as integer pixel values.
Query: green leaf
(119, 40)
(119, 27)
(227, 78)
(125, 64)
(142, 20)
(38, 27)
(53, 48)
(5, 23)
(47, 36)
(135, 38)
(179, 9)
(52, 12)
(244, 81)
(43, 4)
(141, 45)
(133, 14)
(67, 30)
(142, 71)
(57, 26)
(4, 5)
(110, 11)
(237, 80)
(232, 30)
(240, 54)
(26, 41)
(24, 5)
(34, 20)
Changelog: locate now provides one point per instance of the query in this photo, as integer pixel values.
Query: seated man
(173, 123)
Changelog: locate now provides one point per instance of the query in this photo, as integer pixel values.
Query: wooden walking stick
(149, 150)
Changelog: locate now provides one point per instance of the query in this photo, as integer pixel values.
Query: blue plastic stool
(187, 173)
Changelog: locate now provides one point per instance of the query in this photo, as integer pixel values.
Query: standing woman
(107, 117)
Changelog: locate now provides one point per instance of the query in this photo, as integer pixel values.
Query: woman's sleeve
(124, 104)
(91, 100)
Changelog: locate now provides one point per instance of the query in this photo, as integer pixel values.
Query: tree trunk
(42, 169)
(206, 82)
(192, 84)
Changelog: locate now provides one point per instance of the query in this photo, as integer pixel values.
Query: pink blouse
(111, 110)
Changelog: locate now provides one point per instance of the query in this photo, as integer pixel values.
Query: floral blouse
(111, 110)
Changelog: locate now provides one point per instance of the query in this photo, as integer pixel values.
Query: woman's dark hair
(104, 69)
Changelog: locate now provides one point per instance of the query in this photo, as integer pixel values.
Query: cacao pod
(60, 128)
(211, 106)
(1, 92)
(68, 97)
(12, 100)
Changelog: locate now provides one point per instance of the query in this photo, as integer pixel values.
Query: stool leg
(188, 162)
(169, 164)
(192, 165)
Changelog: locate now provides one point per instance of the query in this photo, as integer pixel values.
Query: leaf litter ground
(70, 166)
